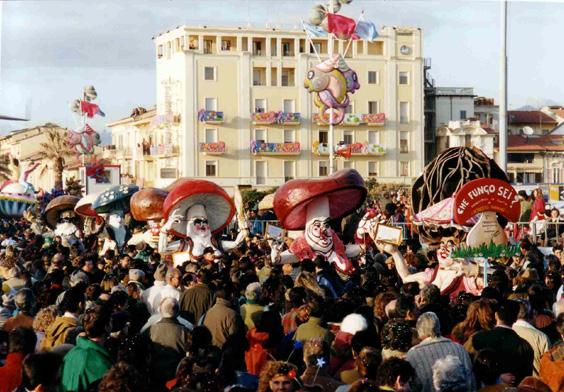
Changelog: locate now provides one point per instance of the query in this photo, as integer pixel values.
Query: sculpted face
(319, 234)
(444, 252)
(198, 227)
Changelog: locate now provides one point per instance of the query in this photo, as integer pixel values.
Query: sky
(51, 49)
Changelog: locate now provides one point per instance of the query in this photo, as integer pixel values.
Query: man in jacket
(222, 321)
(72, 305)
(312, 329)
(21, 341)
(85, 364)
(169, 342)
(198, 299)
(515, 354)
(537, 339)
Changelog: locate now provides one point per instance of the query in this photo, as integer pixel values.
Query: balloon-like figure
(60, 216)
(331, 81)
(16, 194)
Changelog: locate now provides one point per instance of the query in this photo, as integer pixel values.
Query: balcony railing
(210, 116)
(262, 147)
(347, 150)
(354, 119)
(217, 148)
(285, 118)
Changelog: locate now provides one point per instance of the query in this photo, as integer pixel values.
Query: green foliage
(492, 250)
(252, 197)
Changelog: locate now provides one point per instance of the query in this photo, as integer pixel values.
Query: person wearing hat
(252, 310)
(24, 301)
(151, 296)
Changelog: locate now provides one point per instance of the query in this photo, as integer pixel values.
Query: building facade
(467, 133)
(487, 112)
(231, 107)
(539, 122)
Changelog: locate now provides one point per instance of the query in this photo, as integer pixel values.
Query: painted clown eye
(354, 77)
(310, 74)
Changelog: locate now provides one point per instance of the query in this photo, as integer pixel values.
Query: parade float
(194, 211)
(461, 204)
(310, 205)
(61, 218)
(16, 194)
(147, 206)
(92, 222)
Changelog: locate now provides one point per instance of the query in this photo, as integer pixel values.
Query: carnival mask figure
(60, 216)
(319, 235)
(445, 251)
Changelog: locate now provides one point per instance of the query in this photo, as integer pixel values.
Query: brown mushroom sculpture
(60, 216)
(311, 205)
(147, 206)
(195, 210)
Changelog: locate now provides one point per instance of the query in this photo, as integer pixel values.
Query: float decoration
(84, 139)
(195, 210)
(60, 216)
(147, 206)
(93, 223)
(310, 205)
(16, 194)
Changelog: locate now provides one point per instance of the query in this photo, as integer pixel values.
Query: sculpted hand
(385, 247)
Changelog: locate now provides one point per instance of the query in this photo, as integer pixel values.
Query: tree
(55, 149)
(5, 171)
(73, 187)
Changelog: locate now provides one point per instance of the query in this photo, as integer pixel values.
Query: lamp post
(331, 128)
(503, 91)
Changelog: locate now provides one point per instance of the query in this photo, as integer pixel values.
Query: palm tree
(5, 171)
(55, 149)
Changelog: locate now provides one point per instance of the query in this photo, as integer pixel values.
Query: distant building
(535, 159)
(556, 112)
(466, 133)
(519, 120)
(443, 105)
(487, 112)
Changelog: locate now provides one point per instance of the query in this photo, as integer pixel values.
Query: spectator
(316, 359)
(450, 375)
(397, 337)
(552, 362)
(222, 320)
(151, 296)
(24, 302)
(123, 377)
(41, 373)
(434, 347)
(395, 374)
(198, 299)
(85, 365)
(312, 329)
(72, 306)
(299, 312)
(21, 341)
(251, 310)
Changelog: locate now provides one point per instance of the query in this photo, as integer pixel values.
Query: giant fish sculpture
(332, 81)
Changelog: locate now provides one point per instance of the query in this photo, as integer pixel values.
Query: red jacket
(11, 372)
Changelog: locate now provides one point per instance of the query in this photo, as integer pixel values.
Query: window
(373, 137)
(404, 78)
(373, 77)
(348, 165)
(323, 137)
(289, 170)
(348, 137)
(259, 76)
(323, 168)
(289, 106)
(555, 174)
(260, 134)
(286, 51)
(260, 105)
(287, 77)
(373, 107)
(225, 44)
(208, 46)
(315, 48)
(211, 169)
(463, 114)
(404, 112)
(350, 108)
(289, 136)
(168, 172)
(257, 48)
(211, 104)
(260, 168)
(209, 73)
(372, 169)
(211, 135)
(404, 145)
(404, 169)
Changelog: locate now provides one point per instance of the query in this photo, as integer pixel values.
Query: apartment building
(238, 112)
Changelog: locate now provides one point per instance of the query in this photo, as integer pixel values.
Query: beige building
(231, 107)
(468, 133)
(25, 144)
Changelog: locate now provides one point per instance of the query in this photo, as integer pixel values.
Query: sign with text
(486, 194)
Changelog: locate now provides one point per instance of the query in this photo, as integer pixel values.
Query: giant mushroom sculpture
(147, 206)
(195, 210)
(60, 216)
(113, 204)
(310, 205)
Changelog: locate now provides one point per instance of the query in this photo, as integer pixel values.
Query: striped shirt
(423, 356)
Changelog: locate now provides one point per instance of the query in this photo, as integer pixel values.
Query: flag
(366, 30)
(344, 152)
(90, 109)
(314, 31)
(341, 26)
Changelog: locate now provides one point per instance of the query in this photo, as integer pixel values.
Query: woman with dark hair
(554, 225)
(395, 374)
(123, 377)
(479, 316)
(397, 337)
(487, 371)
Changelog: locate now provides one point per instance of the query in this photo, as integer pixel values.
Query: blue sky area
(51, 49)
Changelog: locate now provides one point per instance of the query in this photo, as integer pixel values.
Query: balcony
(217, 148)
(210, 116)
(260, 147)
(283, 118)
(347, 150)
(354, 119)
(157, 151)
(123, 152)
(165, 119)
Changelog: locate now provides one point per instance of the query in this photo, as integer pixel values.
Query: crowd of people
(89, 318)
